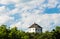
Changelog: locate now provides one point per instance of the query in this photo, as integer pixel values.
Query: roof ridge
(35, 25)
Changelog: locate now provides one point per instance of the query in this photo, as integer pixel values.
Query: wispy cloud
(23, 13)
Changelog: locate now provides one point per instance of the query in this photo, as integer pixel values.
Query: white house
(35, 28)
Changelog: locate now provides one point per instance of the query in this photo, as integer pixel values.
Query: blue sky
(23, 13)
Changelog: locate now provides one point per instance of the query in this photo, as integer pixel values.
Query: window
(33, 28)
(38, 29)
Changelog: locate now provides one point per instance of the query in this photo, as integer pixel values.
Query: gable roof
(35, 26)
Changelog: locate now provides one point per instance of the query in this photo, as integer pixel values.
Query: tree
(58, 28)
(3, 32)
(14, 33)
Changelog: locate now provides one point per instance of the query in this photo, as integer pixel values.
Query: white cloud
(4, 19)
(8, 1)
(52, 3)
(45, 20)
(2, 8)
(3, 1)
(30, 12)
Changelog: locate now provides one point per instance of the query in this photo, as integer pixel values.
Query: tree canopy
(14, 33)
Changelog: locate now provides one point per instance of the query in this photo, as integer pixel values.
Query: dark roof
(35, 26)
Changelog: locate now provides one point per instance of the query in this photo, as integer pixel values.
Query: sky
(24, 13)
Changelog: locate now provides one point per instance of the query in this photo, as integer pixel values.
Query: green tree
(57, 32)
(58, 28)
(3, 32)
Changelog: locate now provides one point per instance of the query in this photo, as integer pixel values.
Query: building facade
(35, 28)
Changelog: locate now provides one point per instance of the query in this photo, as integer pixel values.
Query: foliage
(14, 33)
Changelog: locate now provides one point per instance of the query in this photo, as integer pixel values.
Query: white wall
(32, 30)
(38, 30)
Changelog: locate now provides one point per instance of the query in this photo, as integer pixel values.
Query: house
(35, 28)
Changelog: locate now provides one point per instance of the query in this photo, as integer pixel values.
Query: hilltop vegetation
(14, 33)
